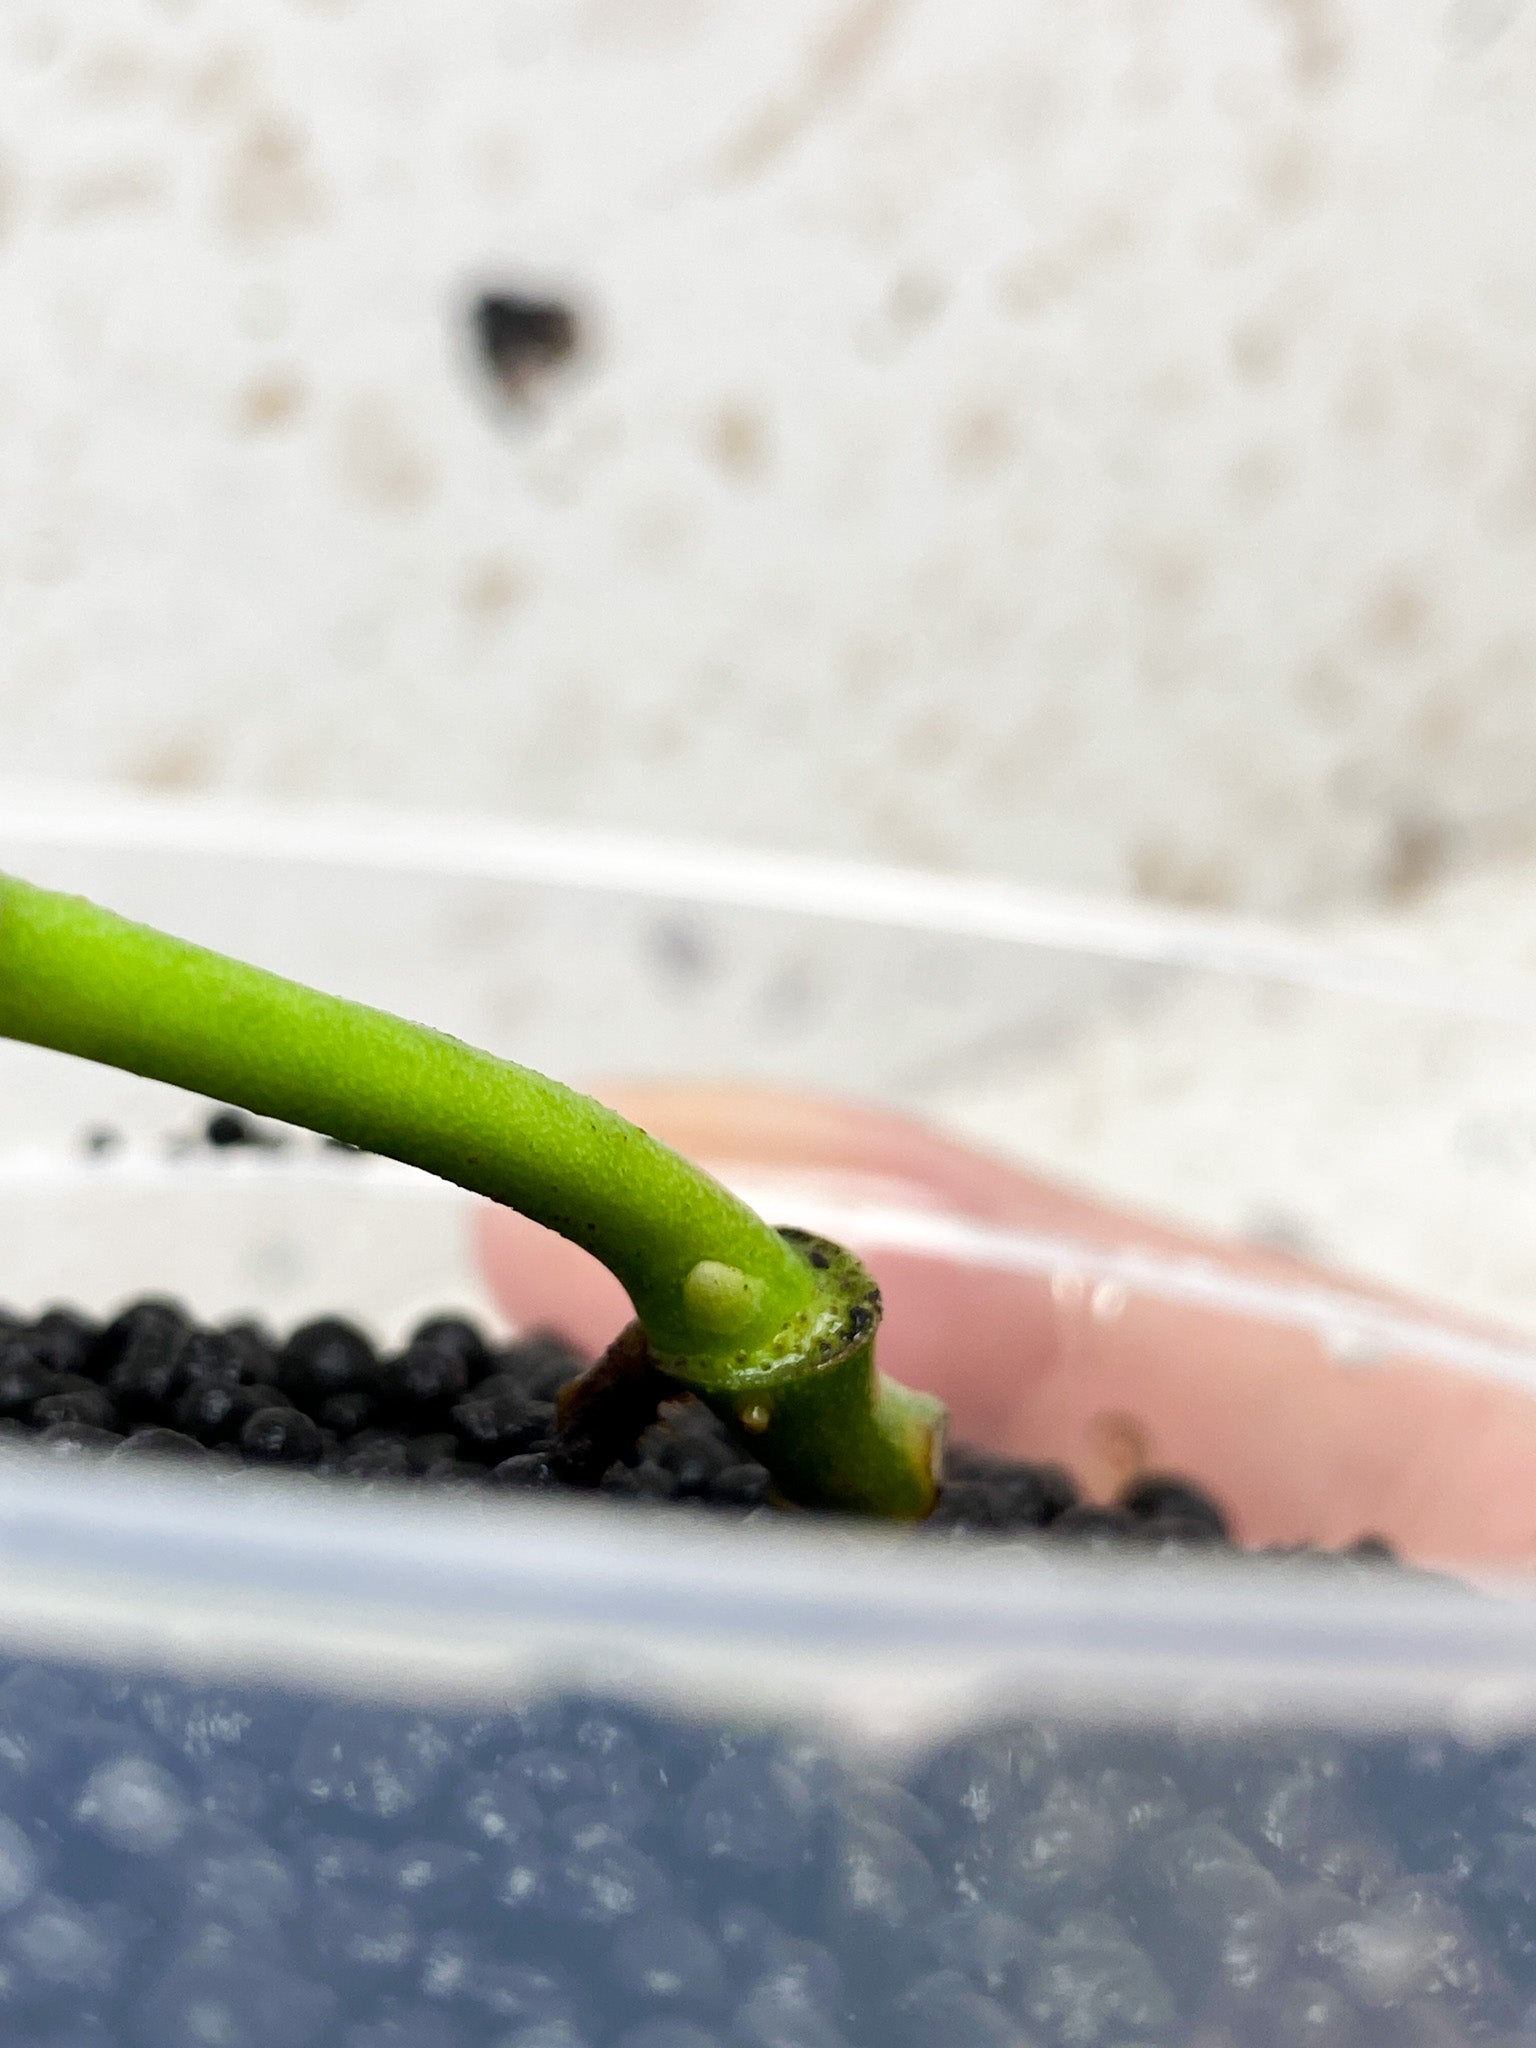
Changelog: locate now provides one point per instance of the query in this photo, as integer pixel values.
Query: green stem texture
(82, 980)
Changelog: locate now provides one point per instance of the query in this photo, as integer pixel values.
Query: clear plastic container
(283, 1764)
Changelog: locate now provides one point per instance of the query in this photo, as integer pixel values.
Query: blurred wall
(1089, 443)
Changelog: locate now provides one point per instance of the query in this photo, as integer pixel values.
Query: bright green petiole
(776, 1332)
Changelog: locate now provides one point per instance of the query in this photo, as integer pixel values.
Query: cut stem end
(812, 1406)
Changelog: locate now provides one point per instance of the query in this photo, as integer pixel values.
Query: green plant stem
(725, 1301)
(84, 981)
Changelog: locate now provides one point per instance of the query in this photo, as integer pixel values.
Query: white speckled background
(1093, 444)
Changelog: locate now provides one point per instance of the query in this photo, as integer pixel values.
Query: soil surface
(452, 1410)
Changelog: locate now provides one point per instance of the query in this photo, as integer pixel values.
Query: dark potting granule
(233, 1867)
(224, 1129)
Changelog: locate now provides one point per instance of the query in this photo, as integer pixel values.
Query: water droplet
(1107, 1302)
(1350, 1345)
(756, 1418)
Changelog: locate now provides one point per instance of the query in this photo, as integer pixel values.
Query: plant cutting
(774, 1330)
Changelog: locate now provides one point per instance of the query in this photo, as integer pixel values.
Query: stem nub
(814, 1408)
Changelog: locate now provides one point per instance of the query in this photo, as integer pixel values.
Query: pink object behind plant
(1301, 1446)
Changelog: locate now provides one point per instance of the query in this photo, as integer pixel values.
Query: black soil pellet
(225, 1129)
(280, 1435)
(326, 1357)
(159, 1443)
(1176, 1506)
(62, 1340)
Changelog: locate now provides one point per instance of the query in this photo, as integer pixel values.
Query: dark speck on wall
(522, 338)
